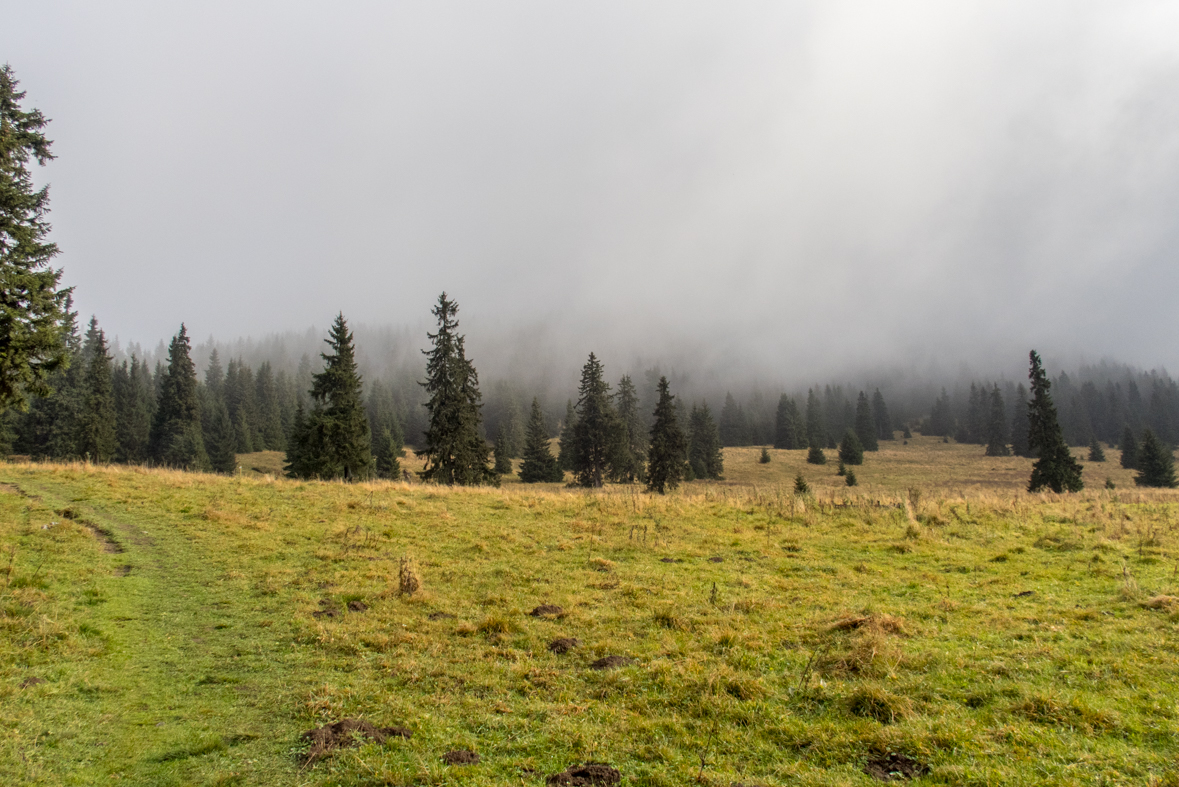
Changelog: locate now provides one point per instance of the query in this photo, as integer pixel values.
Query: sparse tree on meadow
(1096, 452)
(1056, 469)
(704, 445)
(595, 429)
(851, 452)
(789, 431)
(665, 467)
(815, 455)
(1156, 463)
(881, 417)
(539, 466)
(97, 438)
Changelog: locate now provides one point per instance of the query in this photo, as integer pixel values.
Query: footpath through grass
(763, 638)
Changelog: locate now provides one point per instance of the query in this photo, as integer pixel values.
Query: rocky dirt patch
(460, 757)
(564, 645)
(344, 733)
(591, 773)
(894, 767)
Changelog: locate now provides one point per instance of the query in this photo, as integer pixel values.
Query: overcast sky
(796, 184)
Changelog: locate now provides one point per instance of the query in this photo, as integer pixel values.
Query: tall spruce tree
(789, 433)
(239, 399)
(388, 438)
(1019, 425)
(97, 438)
(1096, 452)
(595, 428)
(33, 308)
(816, 433)
(566, 440)
(455, 452)
(941, 418)
(851, 451)
(1156, 463)
(1056, 469)
(997, 426)
(630, 450)
(881, 417)
(704, 445)
(539, 465)
(502, 450)
(271, 436)
(220, 440)
(134, 410)
(176, 439)
(665, 464)
(866, 428)
(49, 430)
(1129, 449)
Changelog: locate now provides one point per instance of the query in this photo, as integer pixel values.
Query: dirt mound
(610, 662)
(716, 559)
(460, 757)
(546, 610)
(885, 623)
(439, 616)
(893, 767)
(28, 682)
(347, 732)
(592, 773)
(671, 560)
(357, 606)
(327, 609)
(564, 645)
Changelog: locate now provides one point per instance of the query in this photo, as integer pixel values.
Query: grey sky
(791, 184)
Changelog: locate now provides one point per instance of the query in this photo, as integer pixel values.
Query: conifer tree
(239, 400)
(455, 452)
(665, 464)
(1019, 425)
(815, 455)
(271, 436)
(501, 450)
(134, 410)
(220, 440)
(997, 426)
(595, 427)
(1056, 468)
(388, 449)
(1129, 449)
(866, 428)
(1096, 452)
(801, 487)
(850, 478)
(705, 457)
(941, 418)
(49, 429)
(1156, 463)
(176, 439)
(851, 452)
(789, 433)
(539, 466)
(816, 434)
(96, 438)
(566, 440)
(630, 449)
(338, 418)
(881, 417)
(34, 311)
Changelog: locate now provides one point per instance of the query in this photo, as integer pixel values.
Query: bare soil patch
(894, 767)
(357, 606)
(547, 610)
(30, 682)
(347, 732)
(716, 559)
(610, 662)
(439, 616)
(564, 645)
(591, 773)
(461, 757)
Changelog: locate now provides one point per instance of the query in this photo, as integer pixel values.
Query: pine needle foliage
(539, 466)
(665, 464)
(1096, 452)
(97, 438)
(997, 425)
(1129, 449)
(176, 438)
(1056, 469)
(595, 429)
(1156, 463)
(850, 450)
(866, 428)
(704, 445)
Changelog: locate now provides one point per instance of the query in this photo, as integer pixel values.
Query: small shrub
(765, 456)
(408, 582)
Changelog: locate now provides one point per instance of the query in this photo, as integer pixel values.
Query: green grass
(995, 636)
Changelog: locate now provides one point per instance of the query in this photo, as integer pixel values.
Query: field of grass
(167, 628)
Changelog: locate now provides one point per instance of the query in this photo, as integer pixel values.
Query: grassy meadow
(163, 628)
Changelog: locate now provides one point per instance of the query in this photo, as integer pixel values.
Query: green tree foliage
(455, 452)
(388, 438)
(665, 464)
(789, 429)
(595, 430)
(997, 425)
(816, 433)
(335, 438)
(1129, 449)
(501, 450)
(765, 456)
(850, 478)
(135, 406)
(176, 439)
(220, 440)
(1056, 469)
(881, 417)
(941, 418)
(96, 436)
(239, 399)
(34, 311)
(851, 451)
(268, 411)
(567, 439)
(815, 455)
(704, 445)
(1156, 463)
(866, 428)
(1019, 425)
(49, 430)
(539, 465)
(734, 425)
(1096, 452)
(629, 458)
(801, 487)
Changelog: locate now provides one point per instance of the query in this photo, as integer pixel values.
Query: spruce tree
(1129, 449)
(268, 411)
(850, 478)
(388, 449)
(704, 445)
(97, 438)
(455, 452)
(801, 487)
(49, 429)
(997, 426)
(941, 418)
(220, 440)
(881, 417)
(341, 444)
(1156, 463)
(665, 464)
(134, 410)
(789, 432)
(539, 465)
(1056, 469)
(1096, 453)
(851, 452)
(630, 444)
(595, 427)
(816, 434)
(566, 439)
(502, 450)
(239, 399)
(1019, 425)
(866, 428)
(33, 309)
(176, 439)
(815, 455)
